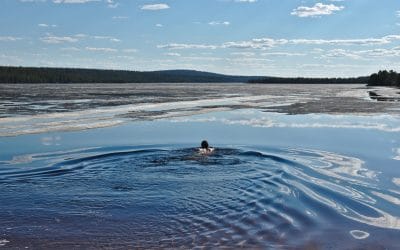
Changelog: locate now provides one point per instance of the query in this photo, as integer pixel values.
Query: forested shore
(76, 75)
(71, 75)
(385, 78)
(308, 80)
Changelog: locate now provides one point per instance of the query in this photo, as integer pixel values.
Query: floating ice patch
(20, 159)
(106, 116)
(386, 92)
(357, 93)
(359, 235)
(397, 157)
(396, 181)
(388, 198)
(3, 242)
(51, 140)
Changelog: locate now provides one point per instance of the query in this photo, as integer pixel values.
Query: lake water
(118, 166)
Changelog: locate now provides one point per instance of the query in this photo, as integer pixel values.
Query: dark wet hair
(204, 144)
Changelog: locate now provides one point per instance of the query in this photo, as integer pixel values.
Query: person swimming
(205, 148)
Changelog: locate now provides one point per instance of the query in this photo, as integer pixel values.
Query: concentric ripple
(163, 197)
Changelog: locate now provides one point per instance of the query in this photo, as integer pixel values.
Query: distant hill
(70, 75)
(207, 75)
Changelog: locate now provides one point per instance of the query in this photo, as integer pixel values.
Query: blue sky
(249, 37)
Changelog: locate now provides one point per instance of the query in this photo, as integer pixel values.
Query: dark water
(163, 197)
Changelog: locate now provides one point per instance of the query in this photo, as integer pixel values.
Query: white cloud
(159, 25)
(44, 25)
(267, 43)
(9, 59)
(124, 57)
(248, 60)
(109, 2)
(393, 52)
(129, 50)
(159, 6)
(245, 1)
(74, 1)
(9, 39)
(257, 43)
(120, 17)
(245, 54)
(398, 13)
(101, 49)
(337, 53)
(397, 157)
(115, 40)
(70, 49)
(110, 38)
(112, 4)
(364, 41)
(81, 35)
(214, 23)
(282, 54)
(318, 9)
(173, 46)
(172, 54)
(59, 39)
(203, 58)
(31, 1)
(76, 38)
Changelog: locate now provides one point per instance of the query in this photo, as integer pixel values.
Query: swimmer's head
(204, 144)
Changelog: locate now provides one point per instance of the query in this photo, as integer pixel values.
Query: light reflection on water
(166, 196)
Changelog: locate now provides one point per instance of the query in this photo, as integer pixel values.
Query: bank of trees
(385, 78)
(382, 78)
(306, 80)
(69, 75)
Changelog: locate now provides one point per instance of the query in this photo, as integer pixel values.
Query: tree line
(382, 78)
(70, 75)
(385, 78)
(309, 80)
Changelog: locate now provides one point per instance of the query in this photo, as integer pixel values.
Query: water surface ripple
(163, 197)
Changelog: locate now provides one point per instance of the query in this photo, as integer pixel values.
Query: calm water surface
(274, 181)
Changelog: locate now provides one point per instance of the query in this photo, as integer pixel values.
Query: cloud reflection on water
(254, 118)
